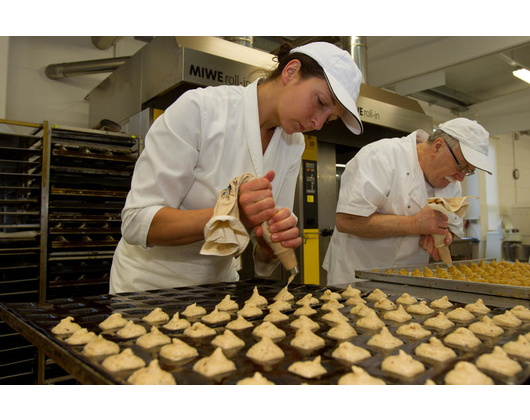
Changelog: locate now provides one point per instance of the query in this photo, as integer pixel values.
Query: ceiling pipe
(247, 41)
(303, 40)
(104, 42)
(511, 61)
(356, 46)
(80, 68)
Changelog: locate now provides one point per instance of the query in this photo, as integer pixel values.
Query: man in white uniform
(382, 216)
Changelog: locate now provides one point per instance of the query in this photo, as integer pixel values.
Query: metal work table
(35, 320)
(83, 372)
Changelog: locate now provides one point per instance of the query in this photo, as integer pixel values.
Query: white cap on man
(473, 139)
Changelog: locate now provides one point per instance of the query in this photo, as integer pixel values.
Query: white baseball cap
(473, 139)
(343, 77)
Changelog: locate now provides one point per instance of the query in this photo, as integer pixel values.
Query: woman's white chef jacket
(192, 151)
(384, 176)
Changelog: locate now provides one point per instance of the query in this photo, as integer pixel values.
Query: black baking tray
(90, 311)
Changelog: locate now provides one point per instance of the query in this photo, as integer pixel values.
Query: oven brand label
(218, 76)
(368, 113)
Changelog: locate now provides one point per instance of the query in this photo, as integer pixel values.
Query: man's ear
(437, 145)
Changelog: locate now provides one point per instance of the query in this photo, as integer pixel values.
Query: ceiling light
(522, 74)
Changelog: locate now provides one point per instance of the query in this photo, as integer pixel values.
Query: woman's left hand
(283, 229)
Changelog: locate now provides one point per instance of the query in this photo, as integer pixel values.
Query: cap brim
(478, 160)
(351, 117)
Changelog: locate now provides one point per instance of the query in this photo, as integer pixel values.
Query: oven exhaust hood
(166, 67)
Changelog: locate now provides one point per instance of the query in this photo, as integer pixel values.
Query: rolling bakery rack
(89, 178)
(61, 190)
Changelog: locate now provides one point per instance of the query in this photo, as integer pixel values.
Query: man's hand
(428, 221)
(427, 243)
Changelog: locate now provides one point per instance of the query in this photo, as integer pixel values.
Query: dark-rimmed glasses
(459, 167)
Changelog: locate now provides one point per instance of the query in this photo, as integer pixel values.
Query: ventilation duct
(80, 68)
(356, 46)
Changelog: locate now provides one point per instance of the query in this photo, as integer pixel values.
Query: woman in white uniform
(382, 218)
(207, 138)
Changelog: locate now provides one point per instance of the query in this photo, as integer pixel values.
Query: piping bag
(225, 235)
(447, 206)
(286, 255)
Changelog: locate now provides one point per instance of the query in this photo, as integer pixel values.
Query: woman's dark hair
(309, 67)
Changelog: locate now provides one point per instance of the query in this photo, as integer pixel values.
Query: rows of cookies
(503, 272)
(202, 325)
(342, 338)
(455, 331)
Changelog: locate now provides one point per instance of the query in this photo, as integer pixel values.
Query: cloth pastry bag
(224, 234)
(448, 206)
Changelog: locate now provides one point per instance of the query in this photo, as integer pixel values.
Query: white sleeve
(163, 173)
(365, 183)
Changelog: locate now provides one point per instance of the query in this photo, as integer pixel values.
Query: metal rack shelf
(20, 209)
(90, 174)
(62, 190)
(21, 169)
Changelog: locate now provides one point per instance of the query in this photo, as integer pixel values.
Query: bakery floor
(35, 321)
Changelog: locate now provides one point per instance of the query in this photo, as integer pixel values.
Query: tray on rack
(495, 289)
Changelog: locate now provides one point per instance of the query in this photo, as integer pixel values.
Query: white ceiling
(470, 76)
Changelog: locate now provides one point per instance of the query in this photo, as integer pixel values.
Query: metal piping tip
(294, 271)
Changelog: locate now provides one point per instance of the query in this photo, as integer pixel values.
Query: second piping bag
(225, 235)
(447, 206)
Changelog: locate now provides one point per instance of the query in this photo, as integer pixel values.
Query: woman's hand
(256, 204)
(283, 229)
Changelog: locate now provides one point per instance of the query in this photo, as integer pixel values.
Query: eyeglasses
(459, 167)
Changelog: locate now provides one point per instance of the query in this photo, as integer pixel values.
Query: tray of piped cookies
(485, 276)
(266, 332)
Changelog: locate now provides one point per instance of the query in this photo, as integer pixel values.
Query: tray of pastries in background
(485, 276)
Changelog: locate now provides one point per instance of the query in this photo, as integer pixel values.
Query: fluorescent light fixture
(523, 74)
(340, 165)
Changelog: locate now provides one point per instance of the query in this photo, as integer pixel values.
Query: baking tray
(379, 274)
(35, 321)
